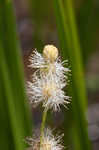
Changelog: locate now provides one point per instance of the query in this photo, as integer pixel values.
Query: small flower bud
(50, 52)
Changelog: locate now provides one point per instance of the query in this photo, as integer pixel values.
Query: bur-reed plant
(46, 87)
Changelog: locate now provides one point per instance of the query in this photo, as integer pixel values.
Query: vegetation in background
(66, 22)
(14, 116)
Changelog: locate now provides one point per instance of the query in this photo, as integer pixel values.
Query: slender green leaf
(12, 93)
(87, 24)
(68, 32)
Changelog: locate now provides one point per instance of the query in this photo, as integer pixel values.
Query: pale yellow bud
(50, 52)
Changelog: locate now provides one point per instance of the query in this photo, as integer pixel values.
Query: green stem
(43, 124)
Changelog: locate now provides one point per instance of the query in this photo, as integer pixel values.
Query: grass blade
(12, 93)
(87, 23)
(68, 32)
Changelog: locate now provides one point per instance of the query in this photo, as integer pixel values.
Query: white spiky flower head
(49, 62)
(49, 141)
(48, 90)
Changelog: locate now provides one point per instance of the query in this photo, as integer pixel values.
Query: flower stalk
(43, 124)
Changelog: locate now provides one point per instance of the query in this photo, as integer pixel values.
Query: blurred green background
(73, 27)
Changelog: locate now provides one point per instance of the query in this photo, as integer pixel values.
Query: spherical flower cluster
(48, 90)
(49, 141)
(49, 62)
(48, 80)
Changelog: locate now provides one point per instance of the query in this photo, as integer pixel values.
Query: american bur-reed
(46, 87)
